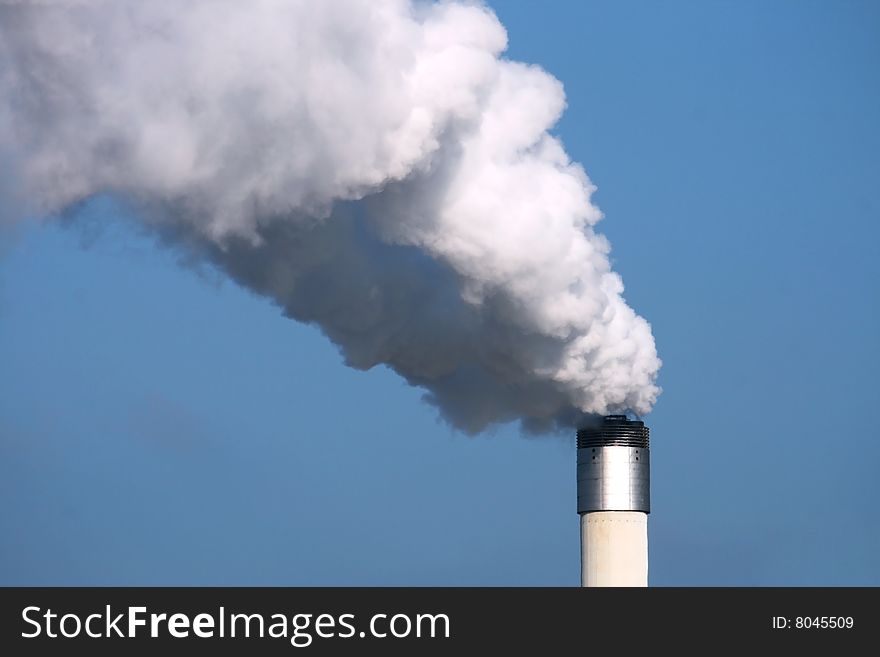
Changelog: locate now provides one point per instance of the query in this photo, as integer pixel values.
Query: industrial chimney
(614, 499)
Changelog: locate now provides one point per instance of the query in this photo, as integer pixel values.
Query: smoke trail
(374, 167)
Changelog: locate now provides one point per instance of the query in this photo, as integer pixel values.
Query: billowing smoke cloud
(375, 167)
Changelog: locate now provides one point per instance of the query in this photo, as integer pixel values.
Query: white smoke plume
(376, 167)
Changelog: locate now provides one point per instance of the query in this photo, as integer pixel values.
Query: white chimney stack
(614, 499)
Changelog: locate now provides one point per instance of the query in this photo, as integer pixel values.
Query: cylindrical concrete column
(614, 548)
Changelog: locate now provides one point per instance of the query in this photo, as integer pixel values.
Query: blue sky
(159, 425)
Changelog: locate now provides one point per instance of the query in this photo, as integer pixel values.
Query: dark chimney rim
(615, 430)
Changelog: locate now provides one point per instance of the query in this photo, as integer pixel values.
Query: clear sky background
(159, 425)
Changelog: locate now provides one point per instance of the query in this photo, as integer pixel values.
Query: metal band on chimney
(614, 466)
